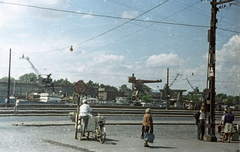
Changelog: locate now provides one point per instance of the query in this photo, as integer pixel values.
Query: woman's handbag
(219, 129)
(149, 137)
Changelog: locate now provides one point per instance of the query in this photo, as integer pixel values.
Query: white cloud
(164, 60)
(129, 14)
(230, 51)
(227, 67)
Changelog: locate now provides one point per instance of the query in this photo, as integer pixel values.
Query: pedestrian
(201, 124)
(221, 124)
(16, 107)
(147, 124)
(228, 124)
(85, 110)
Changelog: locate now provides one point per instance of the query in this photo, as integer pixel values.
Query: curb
(67, 145)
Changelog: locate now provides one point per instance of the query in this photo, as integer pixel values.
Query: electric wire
(130, 19)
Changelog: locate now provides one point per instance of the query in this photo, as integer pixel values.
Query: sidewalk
(128, 144)
(108, 122)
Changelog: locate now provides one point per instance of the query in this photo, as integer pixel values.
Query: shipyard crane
(44, 83)
(138, 84)
(174, 79)
(33, 67)
(194, 89)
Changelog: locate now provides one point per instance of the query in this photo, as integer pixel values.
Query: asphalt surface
(120, 138)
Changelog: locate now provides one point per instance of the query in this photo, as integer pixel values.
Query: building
(108, 94)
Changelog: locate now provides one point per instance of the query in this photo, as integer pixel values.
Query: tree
(6, 78)
(90, 83)
(123, 88)
(220, 97)
(194, 97)
(147, 98)
(145, 88)
(230, 100)
(64, 82)
(29, 78)
(237, 100)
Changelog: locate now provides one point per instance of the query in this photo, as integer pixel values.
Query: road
(32, 138)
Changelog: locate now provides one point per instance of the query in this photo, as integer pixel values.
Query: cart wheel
(103, 135)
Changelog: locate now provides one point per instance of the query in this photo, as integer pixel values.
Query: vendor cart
(95, 128)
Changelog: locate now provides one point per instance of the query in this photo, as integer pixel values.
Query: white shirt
(202, 115)
(17, 102)
(84, 110)
(223, 119)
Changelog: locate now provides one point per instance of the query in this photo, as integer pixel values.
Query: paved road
(119, 138)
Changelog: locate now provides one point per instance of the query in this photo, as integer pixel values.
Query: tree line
(33, 78)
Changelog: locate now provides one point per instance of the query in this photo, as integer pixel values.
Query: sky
(112, 39)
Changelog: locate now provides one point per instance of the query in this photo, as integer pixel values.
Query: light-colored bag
(149, 137)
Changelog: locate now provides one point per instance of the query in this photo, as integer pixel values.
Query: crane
(174, 79)
(196, 89)
(44, 83)
(33, 67)
(138, 84)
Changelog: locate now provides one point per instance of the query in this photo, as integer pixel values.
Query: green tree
(145, 88)
(29, 78)
(147, 98)
(194, 97)
(108, 87)
(124, 88)
(90, 83)
(64, 82)
(6, 78)
(220, 97)
(236, 100)
(230, 100)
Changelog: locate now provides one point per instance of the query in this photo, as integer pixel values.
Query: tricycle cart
(95, 128)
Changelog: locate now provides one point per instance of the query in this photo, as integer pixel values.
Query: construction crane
(194, 89)
(33, 67)
(138, 84)
(44, 83)
(174, 79)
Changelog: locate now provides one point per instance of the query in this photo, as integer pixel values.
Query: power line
(130, 19)
(107, 16)
(137, 30)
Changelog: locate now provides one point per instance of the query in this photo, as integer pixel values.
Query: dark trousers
(85, 123)
(201, 129)
(145, 129)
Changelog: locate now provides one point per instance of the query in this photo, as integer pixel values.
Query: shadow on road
(111, 141)
(162, 147)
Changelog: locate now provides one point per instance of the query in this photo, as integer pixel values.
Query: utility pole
(9, 75)
(210, 101)
(167, 89)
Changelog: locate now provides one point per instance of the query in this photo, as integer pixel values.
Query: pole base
(211, 138)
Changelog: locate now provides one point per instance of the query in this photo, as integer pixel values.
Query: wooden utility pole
(167, 89)
(210, 101)
(9, 76)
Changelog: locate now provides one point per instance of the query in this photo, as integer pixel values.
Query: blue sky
(108, 47)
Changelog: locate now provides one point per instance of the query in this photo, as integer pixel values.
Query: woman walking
(228, 124)
(147, 124)
(221, 124)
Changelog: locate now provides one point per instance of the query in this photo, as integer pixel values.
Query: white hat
(147, 110)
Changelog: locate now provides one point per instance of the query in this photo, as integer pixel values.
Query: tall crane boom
(190, 84)
(174, 79)
(33, 67)
(138, 83)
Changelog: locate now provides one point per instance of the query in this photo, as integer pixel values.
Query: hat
(147, 110)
